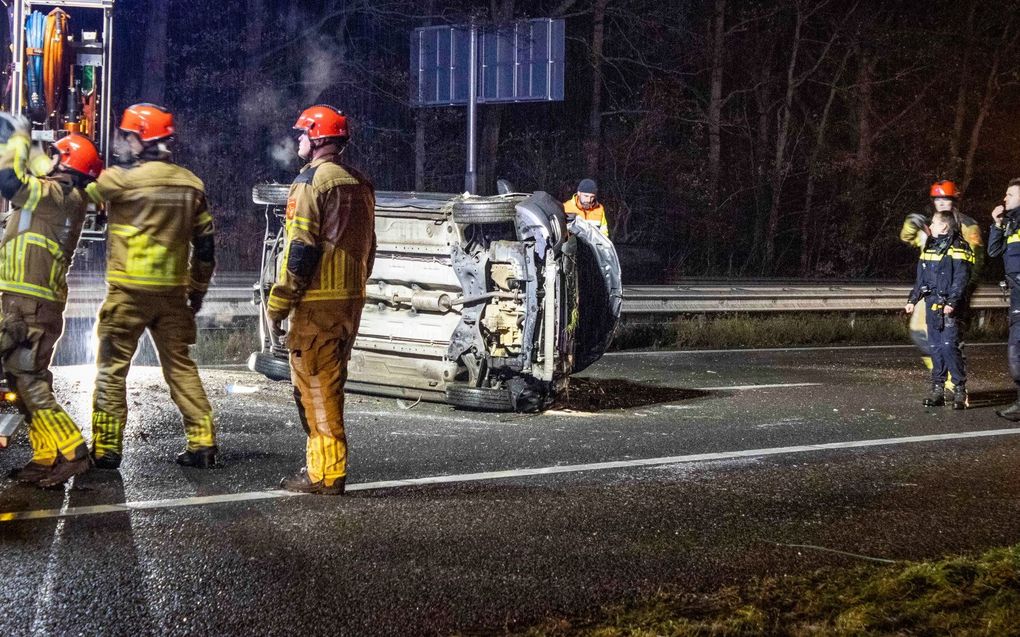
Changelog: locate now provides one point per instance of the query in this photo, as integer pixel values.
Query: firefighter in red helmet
(38, 245)
(327, 258)
(945, 197)
(160, 259)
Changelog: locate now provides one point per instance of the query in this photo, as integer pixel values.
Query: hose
(35, 27)
(55, 41)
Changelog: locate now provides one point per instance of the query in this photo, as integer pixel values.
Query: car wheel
(479, 398)
(484, 212)
(270, 366)
(270, 194)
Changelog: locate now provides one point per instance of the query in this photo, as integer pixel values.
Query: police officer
(943, 272)
(327, 258)
(945, 197)
(38, 245)
(585, 204)
(1004, 241)
(160, 259)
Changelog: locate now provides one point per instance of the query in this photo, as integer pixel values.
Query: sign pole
(471, 175)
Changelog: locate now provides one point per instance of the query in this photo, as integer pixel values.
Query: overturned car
(486, 303)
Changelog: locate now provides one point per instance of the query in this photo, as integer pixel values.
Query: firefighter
(327, 258)
(35, 254)
(585, 204)
(1004, 241)
(160, 259)
(945, 197)
(943, 272)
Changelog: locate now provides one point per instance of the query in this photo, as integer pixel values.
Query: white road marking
(499, 475)
(826, 348)
(749, 387)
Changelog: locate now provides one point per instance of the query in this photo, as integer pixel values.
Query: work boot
(200, 458)
(1012, 412)
(65, 470)
(937, 397)
(960, 398)
(109, 460)
(31, 472)
(301, 483)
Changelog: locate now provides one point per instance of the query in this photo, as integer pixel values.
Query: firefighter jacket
(42, 229)
(943, 271)
(1004, 241)
(596, 215)
(330, 240)
(912, 233)
(157, 214)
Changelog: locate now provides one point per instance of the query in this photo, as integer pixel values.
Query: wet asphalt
(501, 555)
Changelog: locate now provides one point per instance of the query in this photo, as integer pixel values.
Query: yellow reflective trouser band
(44, 450)
(60, 432)
(326, 458)
(107, 433)
(200, 434)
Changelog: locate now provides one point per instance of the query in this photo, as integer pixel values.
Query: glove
(276, 327)
(917, 220)
(195, 298)
(10, 124)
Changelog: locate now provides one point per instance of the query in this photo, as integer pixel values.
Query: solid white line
(509, 473)
(747, 387)
(826, 348)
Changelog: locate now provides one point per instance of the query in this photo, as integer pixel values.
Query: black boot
(960, 398)
(31, 472)
(200, 458)
(937, 397)
(1011, 412)
(64, 470)
(301, 483)
(109, 460)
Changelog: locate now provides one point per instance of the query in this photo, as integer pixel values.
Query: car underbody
(486, 303)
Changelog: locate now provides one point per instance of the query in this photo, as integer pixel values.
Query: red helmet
(943, 188)
(148, 121)
(321, 121)
(78, 153)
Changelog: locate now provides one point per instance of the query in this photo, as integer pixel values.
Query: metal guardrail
(767, 297)
(230, 297)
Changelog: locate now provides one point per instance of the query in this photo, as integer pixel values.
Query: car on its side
(486, 303)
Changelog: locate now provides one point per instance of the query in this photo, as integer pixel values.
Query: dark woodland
(739, 139)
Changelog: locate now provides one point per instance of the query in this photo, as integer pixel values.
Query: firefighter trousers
(51, 430)
(320, 342)
(123, 318)
(944, 344)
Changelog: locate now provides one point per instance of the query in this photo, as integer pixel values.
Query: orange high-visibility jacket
(596, 215)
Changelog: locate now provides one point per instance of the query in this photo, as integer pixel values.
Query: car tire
(270, 366)
(479, 398)
(484, 212)
(270, 194)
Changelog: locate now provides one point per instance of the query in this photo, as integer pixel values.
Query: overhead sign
(519, 62)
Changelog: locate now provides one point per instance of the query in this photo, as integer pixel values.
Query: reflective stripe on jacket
(596, 215)
(42, 230)
(331, 215)
(156, 211)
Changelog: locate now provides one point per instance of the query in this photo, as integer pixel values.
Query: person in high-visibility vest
(327, 259)
(585, 204)
(160, 259)
(38, 245)
(945, 197)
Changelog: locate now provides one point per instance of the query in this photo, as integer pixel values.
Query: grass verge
(964, 596)
(788, 330)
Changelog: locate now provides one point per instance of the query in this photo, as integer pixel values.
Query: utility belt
(938, 302)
